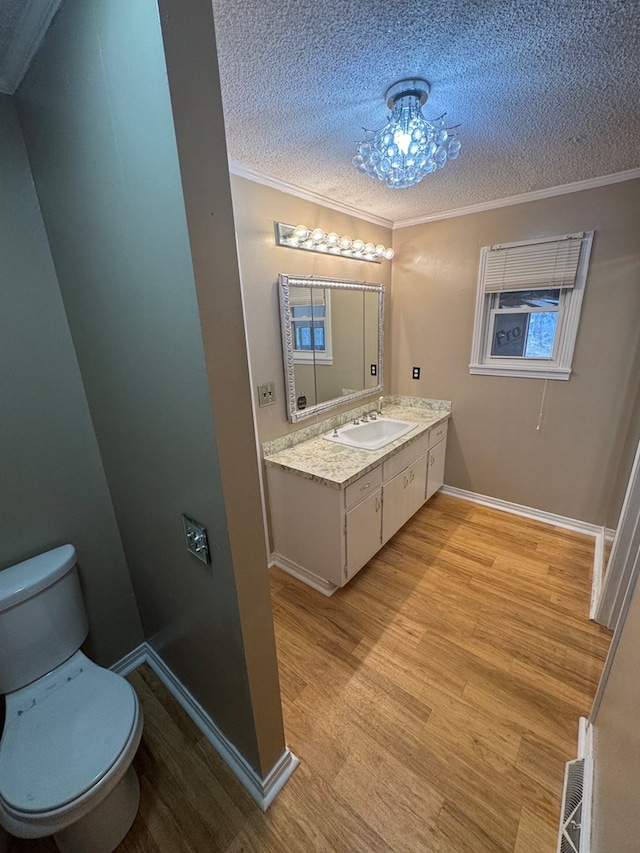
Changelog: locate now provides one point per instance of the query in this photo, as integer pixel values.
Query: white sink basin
(371, 435)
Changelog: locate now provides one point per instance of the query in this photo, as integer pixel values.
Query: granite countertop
(309, 455)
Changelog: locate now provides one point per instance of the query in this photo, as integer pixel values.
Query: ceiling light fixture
(409, 146)
(317, 240)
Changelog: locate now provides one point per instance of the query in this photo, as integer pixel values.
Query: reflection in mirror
(332, 334)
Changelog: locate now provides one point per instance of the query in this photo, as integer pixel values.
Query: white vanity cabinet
(362, 533)
(404, 482)
(324, 534)
(436, 454)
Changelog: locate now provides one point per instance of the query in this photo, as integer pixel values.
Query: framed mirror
(332, 340)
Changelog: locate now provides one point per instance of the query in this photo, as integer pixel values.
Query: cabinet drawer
(363, 487)
(403, 458)
(438, 433)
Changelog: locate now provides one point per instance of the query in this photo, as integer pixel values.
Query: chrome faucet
(373, 415)
(364, 418)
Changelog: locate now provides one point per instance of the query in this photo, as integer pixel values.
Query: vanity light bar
(317, 240)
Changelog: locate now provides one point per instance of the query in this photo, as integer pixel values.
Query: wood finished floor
(433, 703)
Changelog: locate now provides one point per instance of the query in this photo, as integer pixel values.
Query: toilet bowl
(70, 735)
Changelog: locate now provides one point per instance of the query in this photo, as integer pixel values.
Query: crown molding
(535, 195)
(306, 195)
(590, 183)
(34, 23)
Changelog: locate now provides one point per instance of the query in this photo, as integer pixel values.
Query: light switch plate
(196, 538)
(266, 394)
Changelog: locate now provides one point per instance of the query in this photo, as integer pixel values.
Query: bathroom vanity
(333, 506)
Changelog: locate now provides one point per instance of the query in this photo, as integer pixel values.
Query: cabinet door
(403, 496)
(435, 472)
(362, 531)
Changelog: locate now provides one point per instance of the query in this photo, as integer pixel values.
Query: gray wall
(572, 465)
(191, 54)
(52, 485)
(97, 121)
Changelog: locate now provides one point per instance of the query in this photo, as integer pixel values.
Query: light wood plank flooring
(433, 703)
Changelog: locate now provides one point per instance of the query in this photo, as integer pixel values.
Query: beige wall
(616, 817)
(256, 208)
(571, 466)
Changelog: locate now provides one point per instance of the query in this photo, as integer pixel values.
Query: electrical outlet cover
(196, 538)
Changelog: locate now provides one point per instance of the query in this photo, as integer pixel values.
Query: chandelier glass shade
(409, 146)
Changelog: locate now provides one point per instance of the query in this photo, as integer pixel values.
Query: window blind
(533, 266)
(306, 296)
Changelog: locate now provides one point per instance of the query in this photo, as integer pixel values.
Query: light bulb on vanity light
(300, 232)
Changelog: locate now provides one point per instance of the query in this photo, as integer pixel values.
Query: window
(311, 325)
(528, 306)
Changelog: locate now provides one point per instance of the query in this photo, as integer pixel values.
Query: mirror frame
(285, 281)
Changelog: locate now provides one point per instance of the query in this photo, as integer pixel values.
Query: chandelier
(409, 146)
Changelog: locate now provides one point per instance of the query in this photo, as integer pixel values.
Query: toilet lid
(63, 736)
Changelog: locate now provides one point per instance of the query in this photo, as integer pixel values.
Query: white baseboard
(598, 572)
(320, 584)
(132, 660)
(585, 738)
(526, 511)
(263, 790)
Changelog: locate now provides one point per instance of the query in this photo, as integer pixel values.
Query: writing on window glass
(524, 323)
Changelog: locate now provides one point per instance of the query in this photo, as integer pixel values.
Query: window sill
(317, 360)
(521, 372)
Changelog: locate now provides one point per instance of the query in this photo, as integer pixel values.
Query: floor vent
(574, 835)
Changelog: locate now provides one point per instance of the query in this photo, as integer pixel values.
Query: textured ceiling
(546, 92)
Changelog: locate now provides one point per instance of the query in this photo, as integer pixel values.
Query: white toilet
(72, 728)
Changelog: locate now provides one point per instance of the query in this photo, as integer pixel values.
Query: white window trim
(558, 367)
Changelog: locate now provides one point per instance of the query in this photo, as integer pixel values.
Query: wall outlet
(416, 373)
(374, 369)
(266, 394)
(195, 535)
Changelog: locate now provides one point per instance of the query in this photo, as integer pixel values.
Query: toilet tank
(43, 620)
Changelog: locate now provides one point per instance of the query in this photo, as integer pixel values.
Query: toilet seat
(63, 733)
